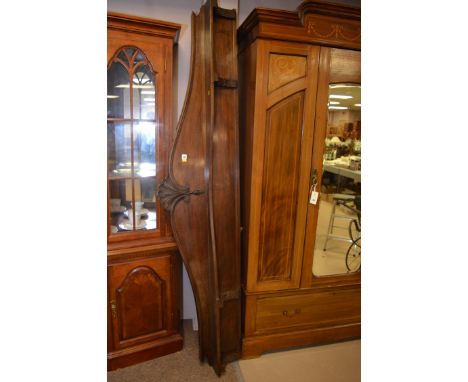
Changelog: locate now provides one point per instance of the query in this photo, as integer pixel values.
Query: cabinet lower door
(140, 303)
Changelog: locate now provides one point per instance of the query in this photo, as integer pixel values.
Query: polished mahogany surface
(287, 61)
(143, 265)
(202, 190)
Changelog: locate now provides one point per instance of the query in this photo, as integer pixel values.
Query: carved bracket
(172, 193)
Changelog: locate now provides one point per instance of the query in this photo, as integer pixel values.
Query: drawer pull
(293, 313)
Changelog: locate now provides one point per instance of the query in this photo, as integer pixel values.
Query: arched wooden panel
(140, 303)
(281, 178)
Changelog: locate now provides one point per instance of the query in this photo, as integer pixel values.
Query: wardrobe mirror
(338, 235)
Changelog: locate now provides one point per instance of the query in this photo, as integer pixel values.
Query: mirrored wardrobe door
(333, 239)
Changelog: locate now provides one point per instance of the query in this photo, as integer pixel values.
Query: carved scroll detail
(336, 31)
(171, 193)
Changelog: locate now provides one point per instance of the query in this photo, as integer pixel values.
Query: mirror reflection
(338, 235)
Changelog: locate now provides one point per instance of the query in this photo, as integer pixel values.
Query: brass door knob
(113, 308)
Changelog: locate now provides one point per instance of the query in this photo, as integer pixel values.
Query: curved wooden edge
(143, 25)
(172, 181)
(188, 95)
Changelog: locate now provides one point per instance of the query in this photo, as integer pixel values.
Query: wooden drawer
(312, 310)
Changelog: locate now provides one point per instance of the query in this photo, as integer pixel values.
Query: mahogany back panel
(202, 190)
(225, 184)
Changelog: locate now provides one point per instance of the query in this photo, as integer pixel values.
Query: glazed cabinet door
(139, 92)
(141, 308)
(285, 95)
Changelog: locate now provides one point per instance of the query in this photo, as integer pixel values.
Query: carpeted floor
(182, 366)
(340, 362)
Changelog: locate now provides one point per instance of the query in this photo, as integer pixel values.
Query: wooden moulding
(143, 25)
(253, 347)
(202, 189)
(314, 22)
(144, 352)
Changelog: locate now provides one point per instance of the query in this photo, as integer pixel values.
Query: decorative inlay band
(337, 31)
(172, 193)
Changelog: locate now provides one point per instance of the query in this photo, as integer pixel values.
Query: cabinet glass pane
(144, 208)
(120, 195)
(118, 91)
(126, 215)
(119, 149)
(144, 93)
(144, 149)
(131, 95)
(145, 191)
(338, 235)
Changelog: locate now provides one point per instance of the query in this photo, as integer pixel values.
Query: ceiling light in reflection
(338, 107)
(112, 96)
(340, 96)
(357, 104)
(336, 86)
(146, 169)
(334, 103)
(126, 86)
(148, 92)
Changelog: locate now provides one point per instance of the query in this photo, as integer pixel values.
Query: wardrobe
(288, 62)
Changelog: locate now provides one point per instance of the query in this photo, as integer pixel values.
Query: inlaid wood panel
(344, 31)
(281, 177)
(284, 69)
(140, 303)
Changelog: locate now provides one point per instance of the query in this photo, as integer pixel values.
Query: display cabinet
(143, 260)
(299, 93)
